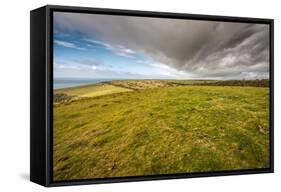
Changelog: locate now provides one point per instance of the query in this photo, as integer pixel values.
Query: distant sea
(60, 83)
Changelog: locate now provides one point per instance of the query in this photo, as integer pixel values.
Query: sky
(125, 47)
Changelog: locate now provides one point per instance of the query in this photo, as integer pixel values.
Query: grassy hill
(91, 90)
(146, 127)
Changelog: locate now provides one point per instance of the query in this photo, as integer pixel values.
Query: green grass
(92, 90)
(142, 84)
(161, 130)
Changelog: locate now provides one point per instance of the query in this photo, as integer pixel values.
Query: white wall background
(14, 96)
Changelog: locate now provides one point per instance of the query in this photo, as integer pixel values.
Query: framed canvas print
(119, 95)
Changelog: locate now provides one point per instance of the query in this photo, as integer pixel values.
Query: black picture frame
(41, 83)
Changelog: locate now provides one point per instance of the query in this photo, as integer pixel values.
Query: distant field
(91, 90)
(148, 127)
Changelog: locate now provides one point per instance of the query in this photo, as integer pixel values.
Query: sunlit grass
(164, 130)
(92, 90)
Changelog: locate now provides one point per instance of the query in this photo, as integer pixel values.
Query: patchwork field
(148, 127)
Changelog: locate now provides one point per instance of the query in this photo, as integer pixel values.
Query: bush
(61, 97)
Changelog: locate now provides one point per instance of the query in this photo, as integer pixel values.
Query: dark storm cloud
(202, 49)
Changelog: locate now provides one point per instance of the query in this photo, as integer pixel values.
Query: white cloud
(123, 54)
(94, 67)
(165, 69)
(129, 51)
(118, 50)
(67, 66)
(68, 45)
(74, 65)
(106, 45)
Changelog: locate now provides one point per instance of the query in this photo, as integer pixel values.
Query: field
(148, 127)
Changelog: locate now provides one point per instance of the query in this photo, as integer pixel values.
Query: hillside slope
(162, 131)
